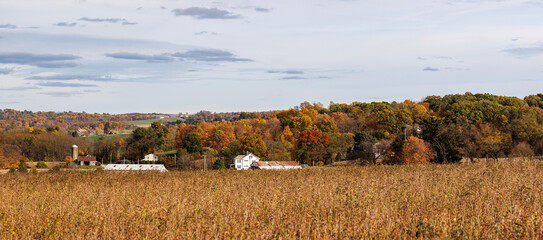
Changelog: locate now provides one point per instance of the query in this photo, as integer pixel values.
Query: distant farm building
(87, 161)
(83, 160)
(276, 165)
(82, 132)
(150, 158)
(75, 152)
(136, 167)
(250, 161)
(243, 162)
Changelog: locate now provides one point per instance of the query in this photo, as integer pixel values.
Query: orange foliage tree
(10, 156)
(414, 150)
(311, 147)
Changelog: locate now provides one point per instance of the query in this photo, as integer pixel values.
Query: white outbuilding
(150, 158)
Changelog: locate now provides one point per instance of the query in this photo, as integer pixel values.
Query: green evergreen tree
(218, 165)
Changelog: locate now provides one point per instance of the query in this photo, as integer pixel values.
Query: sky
(171, 56)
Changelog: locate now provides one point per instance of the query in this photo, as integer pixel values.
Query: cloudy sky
(240, 55)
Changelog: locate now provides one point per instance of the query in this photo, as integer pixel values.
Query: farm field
(95, 138)
(148, 122)
(497, 200)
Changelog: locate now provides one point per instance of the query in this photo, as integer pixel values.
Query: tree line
(440, 129)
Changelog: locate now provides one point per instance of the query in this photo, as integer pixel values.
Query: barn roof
(87, 159)
(277, 164)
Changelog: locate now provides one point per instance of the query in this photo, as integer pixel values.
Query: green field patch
(151, 121)
(96, 138)
(168, 153)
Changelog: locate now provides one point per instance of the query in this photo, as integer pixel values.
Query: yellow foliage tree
(254, 144)
(98, 130)
(287, 135)
(303, 123)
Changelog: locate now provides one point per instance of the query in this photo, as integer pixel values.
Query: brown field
(49, 164)
(463, 201)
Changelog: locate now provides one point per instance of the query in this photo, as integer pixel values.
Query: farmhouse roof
(87, 159)
(238, 157)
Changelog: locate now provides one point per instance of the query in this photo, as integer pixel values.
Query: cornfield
(497, 200)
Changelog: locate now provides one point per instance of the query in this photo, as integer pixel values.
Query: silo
(75, 152)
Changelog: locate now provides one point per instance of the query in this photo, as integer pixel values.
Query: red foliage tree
(311, 147)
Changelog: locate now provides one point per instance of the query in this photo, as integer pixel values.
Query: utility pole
(175, 159)
(205, 162)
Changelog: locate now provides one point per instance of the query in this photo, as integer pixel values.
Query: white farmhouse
(243, 162)
(150, 158)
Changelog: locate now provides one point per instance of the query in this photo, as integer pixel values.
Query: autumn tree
(311, 147)
(243, 128)
(414, 150)
(363, 147)
(218, 139)
(107, 128)
(493, 143)
(527, 128)
(390, 119)
(10, 156)
(254, 144)
(280, 151)
(303, 123)
(286, 135)
(161, 133)
(522, 150)
(448, 141)
(193, 143)
(182, 131)
(148, 140)
(534, 100)
(269, 129)
(142, 142)
(344, 123)
(340, 144)
(327, 126)
(184, 159)
(419, 112)
(108, 149)
(227, 155)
